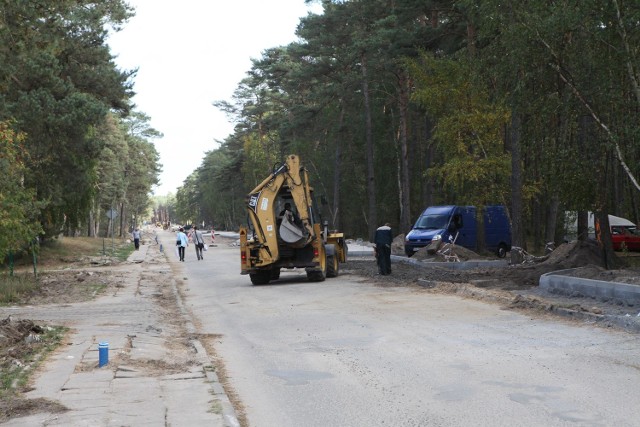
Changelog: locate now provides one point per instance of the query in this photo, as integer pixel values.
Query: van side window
(456, 222)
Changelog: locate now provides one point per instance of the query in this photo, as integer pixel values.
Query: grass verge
(54, 255)
(25, 355)
(25, 345)
(13, 288)
(62, 277)
(65, 249)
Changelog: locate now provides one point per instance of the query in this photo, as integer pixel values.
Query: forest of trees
(394, 105)
(71, 146)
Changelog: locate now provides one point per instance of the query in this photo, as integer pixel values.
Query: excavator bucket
(292, 234)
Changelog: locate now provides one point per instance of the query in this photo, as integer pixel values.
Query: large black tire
(333, 266)
(315, 276)
(275, 274)
(260, 277)
(318, 274)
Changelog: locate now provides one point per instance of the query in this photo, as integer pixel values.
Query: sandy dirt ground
(516, 286)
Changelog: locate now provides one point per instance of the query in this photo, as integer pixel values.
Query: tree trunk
(121, 233)
(517, 233)
(552, 220)
(428, 190)
(471, 39)
(405, 182)
(537, 222)
(601, 221)
(634, 206)
(603, 233)
(583, 226)
(371, 185)
(90, 224)
(110, 228)
(337, 166)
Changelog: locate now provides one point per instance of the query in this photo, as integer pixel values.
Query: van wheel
(333, 266)
(502, 250)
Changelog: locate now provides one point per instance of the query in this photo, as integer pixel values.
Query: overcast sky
(189, 54)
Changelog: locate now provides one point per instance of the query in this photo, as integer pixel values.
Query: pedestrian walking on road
(136, 238)
(181, 242)
(383, 240)
(198, 241)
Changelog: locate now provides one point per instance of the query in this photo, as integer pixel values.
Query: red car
(625, 238)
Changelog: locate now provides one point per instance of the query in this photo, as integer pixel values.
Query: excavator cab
(289, 226)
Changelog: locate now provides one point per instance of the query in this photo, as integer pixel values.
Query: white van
(571, 224)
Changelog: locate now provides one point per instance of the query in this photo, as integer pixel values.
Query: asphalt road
(347, 353)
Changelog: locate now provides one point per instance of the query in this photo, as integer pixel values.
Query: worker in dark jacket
(383, 241)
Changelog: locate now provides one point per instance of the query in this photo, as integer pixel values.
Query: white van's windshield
(432, 222)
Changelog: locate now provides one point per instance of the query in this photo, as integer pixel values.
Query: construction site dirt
(516, 286)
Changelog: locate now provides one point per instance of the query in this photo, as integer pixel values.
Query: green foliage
(564, 71)
(259, 159)
(14, 288)
(563, 62)
(212, 194)
(122, 250)
(468, 130)
(58, 81)
(111, 165)
(18, 206)
(141, 172)
(71, 105)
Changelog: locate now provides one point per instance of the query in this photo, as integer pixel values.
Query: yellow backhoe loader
(284, 229)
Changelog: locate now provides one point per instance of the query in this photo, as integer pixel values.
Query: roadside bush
(12, 288)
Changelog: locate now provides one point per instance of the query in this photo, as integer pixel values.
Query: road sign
(112, 214)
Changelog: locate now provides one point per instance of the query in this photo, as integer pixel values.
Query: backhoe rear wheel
(319, 273)
(333, 266)
(260, 277)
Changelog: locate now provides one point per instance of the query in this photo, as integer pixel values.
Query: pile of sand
(463, 253)
(397, 246)
(575, 254)
(14, 331)
(567, 255)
